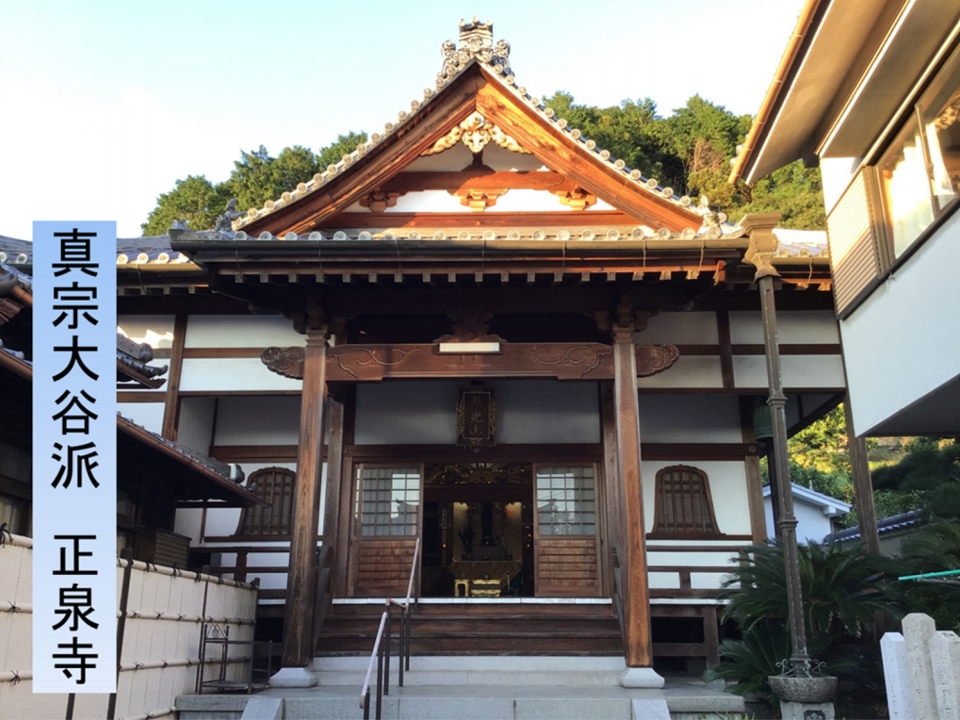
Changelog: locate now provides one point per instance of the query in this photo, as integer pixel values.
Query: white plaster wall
(226, 374)
(690, 371)
(812, 524)
(406, 413)
(837, 173)
(794, 327)
(147, 415)
(728, 489)
(236, 331)
(689, 419)
(195, 429)
(187, 522)
(680, 328)
(539, 411)
(459, 157)
(547, 411)
(904, 341)
(153, 330)
(258, 420)
(797, 371)
(690, 559)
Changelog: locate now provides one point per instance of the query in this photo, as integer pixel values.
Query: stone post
(945, 656)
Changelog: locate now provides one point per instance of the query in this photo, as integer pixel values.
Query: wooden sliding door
(387, 519)
(565, 531)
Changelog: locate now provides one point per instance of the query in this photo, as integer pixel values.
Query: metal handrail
(381, 646)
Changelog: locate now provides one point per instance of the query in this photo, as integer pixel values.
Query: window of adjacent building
(389, 500)
(275, 485)
(683, 505)
(15, 514)
(920, 172)
(566, 503)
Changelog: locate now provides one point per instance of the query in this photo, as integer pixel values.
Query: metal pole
(387, 639)
(780, 473)
(403, 644)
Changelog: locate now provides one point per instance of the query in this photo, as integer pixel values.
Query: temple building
(482, 351)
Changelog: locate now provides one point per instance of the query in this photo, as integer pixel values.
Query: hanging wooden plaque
(477, 417)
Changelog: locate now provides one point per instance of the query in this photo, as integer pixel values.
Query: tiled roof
(231, 472)
(885, 526)
(15, 252)
(457, 61)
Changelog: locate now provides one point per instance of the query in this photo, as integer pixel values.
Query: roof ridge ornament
(476, 42)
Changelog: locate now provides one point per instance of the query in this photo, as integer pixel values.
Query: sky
(104, 104)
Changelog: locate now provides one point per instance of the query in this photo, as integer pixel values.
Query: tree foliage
(256, 178)
(930, 470)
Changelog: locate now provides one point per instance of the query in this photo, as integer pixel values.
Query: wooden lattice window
(683, 504)
(275, 485)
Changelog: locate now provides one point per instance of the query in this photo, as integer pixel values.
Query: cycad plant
(842, 593)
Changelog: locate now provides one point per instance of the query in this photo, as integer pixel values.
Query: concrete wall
(903, 342)
(161, 643)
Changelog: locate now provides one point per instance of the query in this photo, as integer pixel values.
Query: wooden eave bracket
(763, 242)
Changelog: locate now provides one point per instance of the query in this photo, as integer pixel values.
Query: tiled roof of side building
(885, 526)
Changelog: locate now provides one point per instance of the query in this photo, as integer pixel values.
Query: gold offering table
(483, 578)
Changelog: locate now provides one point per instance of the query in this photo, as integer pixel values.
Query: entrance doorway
(487, 530)
(478, 533)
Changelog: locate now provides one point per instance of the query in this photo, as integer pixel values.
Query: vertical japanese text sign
(74, 457)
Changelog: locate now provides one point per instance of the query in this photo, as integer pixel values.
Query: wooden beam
(301, 580)
(486, 219)
(340, 575)
(171, 412)
(478, 179)
(563, 361)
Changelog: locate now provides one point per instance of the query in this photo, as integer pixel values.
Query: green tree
(343, 145)
(931, 470)
(193, 201)
(794, 191)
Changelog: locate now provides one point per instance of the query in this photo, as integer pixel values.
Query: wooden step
(481, 629)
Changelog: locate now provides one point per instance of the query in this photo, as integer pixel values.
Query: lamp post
(763, 245)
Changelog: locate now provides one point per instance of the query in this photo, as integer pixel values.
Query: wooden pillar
(331, 506)
(758, 520)
(298, 637)
(612, 502)
(862, 485)
(636, 610)
(340, 576)
(171, 410)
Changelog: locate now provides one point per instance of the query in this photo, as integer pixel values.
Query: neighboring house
(893, 531)
(870, 90)
(154, 476)
(814, 512)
